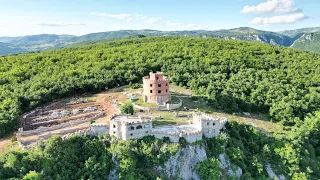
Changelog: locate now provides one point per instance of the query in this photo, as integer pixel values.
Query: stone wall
(144, 108)
(173, 138)
(47, 136)
(136, 130)
(100, 128)
(115, 128)
(173, 106)
(209, 125)
(190, 137)
(60, 126)
(210, 128)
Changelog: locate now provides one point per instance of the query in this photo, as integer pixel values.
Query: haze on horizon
(20, 17)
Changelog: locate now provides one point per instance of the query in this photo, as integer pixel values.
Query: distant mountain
(308, 42)
(297, 32)
(6, 48)
(291, 38)
(243, 33)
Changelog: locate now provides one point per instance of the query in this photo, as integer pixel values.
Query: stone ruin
(134, 127)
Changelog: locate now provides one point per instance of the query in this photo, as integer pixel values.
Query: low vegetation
(127, 108)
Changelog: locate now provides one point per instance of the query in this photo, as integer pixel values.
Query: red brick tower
(156, 88)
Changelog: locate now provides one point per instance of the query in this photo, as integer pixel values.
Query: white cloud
(42, 23)
(129, 17)
(272, 6)
(149, 20)
(152, 20)
(140, 16)
(124, 17)
(181, 26)
(284, 19)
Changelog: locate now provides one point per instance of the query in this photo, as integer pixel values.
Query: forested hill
(6, 48)
(308, 41)
(233, 76)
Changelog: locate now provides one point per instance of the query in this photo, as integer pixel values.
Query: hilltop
(229, 76)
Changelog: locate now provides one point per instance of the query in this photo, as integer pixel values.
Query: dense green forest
(75, 158)
(233, 76)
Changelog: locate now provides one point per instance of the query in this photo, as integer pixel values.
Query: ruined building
(126, 127)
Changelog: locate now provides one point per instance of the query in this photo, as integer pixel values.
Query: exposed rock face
(226, 165)
(182, 164)
(114, 173)
(273, 175)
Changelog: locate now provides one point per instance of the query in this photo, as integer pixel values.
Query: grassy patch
(163, 122)
(197, 102)
(140, 102)
(168, 118)
(174, 100)
(181, 90)
(6, 145)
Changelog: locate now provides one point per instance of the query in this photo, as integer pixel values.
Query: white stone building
(209, 125)
(130, 127)
(135, 127)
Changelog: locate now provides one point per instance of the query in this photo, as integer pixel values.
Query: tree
(208, 169)
(127, 108)
(32, 175)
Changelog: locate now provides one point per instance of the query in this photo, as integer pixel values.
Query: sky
(79, 17)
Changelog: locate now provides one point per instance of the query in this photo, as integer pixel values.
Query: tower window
(166, 90)
(159, 85)
(166, 84)
(150, 91)
(114, 126)
(131, 134)
(150, 85)
(157, 78)
(214, 124)
(207, 123)
(159, 91)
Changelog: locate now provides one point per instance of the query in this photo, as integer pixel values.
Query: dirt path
(104, 99)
